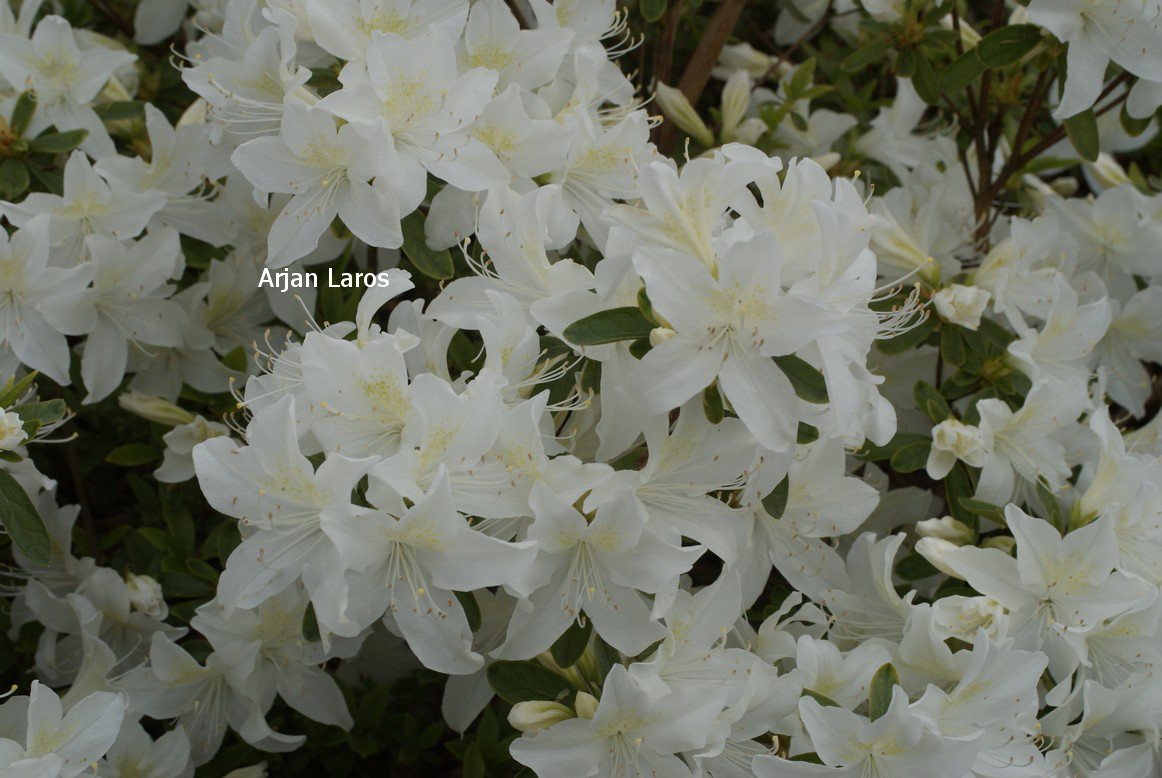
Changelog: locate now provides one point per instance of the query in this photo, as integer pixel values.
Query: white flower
(954, 440)
(1097, 32)
(961, 305)
(65, 78)
(70, 742)
(327, 168)
(12, 432)
(178, 462)
(145, 596)
(631, 733)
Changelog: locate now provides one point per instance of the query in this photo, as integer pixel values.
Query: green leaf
(906, 63)
(58, 142)
(875, 51)
(1132, 125)
(132, 454)
(14, 390)
(25, 526)
(712, 404)
(517, 682)
(471, 609)
(572, 644)
(1082, 131)
(14, 178)
(806, 379)
(22, 112)
(47, 412)
(965, 69)
(914, 568)
(806, 433)
(822, 699)
(776, 502)
(931, 402)
(609, 326)
(121, 109)
(925, 80)
(433, 264)
(880, 695)
(653, 10)
(203, 570)
(981, 508)
(801, 79)
(186, 585)
(310, 626)
(952, 345)
(911, 457)
(1052, 507)
(873, 453)
(1008, 45)
(473, 762)
(958, 487)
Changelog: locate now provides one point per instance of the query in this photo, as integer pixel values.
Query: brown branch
(697, 71)
(664, 51)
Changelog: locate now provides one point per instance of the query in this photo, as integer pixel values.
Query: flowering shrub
(561, 388)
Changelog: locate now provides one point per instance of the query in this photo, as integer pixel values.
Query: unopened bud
(936, 551)
(253, 771)
(1107, 171)
(1001, 543)
(155, 409)
(12, 432)
(535, 715)
(677, 109)
(946, 528)
(659, 335)
(735, 101)
(585, 705)
(145, 596)
(962, 305)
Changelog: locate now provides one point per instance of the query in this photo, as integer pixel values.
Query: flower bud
(12, 432)
(961, 305)
(935, 551)
(1000, 543)
(946, 528)
(195, 114)
(735, 101)
(155, 409)
(1107, 171)
(535, 715)
(953, 440)
(145, 596)
(586, 705)
(677, 109)
(659, 335)
(253, 771)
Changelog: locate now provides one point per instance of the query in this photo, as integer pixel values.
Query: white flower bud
(659, 335)
(12, 432)
(735, 101)
(1001, 543)
(935, 550)
(953, 440)
(1107, 171)
(745, 57)
(155, 409)
(1066, 186)
(145, 596)
(961, 305)
(586, 705)
(195, 114)
(677, 109)
(946, 528)
(253, 771)
(535, 715)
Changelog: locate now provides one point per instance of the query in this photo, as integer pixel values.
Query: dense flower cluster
(750, 467)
